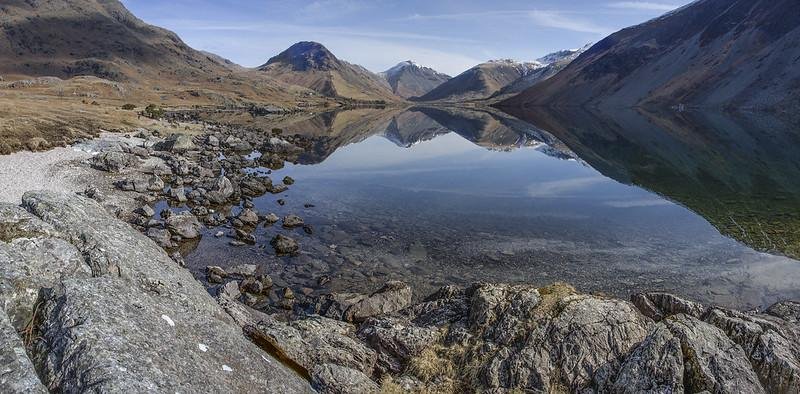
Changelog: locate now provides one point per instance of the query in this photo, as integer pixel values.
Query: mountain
(66, 38)
(710, 53)
(480, 81)
(101, 38)
(311, 65)
(409, 79)
(554, 63)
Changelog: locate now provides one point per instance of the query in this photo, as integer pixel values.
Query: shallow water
(438, 196)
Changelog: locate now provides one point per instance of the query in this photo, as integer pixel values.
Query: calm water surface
(435, 196)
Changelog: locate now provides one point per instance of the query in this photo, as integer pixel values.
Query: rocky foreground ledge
(91, 304)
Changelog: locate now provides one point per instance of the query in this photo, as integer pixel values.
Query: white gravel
(51, 170)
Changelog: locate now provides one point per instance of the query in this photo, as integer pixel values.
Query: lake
(703, 205)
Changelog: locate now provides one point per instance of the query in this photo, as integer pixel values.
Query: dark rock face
(712, 53)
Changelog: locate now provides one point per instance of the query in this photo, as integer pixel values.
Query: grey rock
(397, 341)
(17, 374)
(655, 366)
(291, 221)
(307, 342)
(243, 270)
(335, 379)
(176, 143)
(392, 297)
(657, 305)
(184, 225)
(772, 346)
(215, 274)
(113, 161)
(30, 264)
(786, 310)
(161, 236)
(284, 245)
(271, 218)
(248, 217)
(712, 361)
(134, 341)
(146, 211)
(221, 191)
(178, 194)
(139, 323)
(16, 222)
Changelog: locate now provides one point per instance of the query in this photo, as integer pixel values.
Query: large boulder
(176, 143)
(184, 225)
(142, 323)
(113, 161)
(220, 191)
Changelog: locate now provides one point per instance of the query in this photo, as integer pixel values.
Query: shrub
(153, 111)
(129, 107)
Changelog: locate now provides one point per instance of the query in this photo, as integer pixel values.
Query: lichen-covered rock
(220, 191)
(30, 264)
(142, 323)
(392, 297)
(771, 345)
(655, 366)
(307, 342)
(786, 310)
(127, 340)
(17, 374)
(657, 305)
(397, 341)
(16, 222)
(184, 225)
(712, 361)
(335, 379)
(114, 161)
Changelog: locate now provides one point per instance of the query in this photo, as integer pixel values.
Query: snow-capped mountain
(481, 81)
(408, 79)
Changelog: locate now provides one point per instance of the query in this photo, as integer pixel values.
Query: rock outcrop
(115, 312)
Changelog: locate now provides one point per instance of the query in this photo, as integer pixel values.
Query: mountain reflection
(739, 171)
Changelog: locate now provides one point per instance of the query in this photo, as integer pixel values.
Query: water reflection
(436, 195)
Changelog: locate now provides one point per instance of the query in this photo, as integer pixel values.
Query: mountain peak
(305, 56)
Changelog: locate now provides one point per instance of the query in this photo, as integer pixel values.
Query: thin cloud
(201, 25)
(557, 20)
(642, 6)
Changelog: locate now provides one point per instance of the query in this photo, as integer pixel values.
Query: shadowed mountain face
(311, 65)
(90, 37)
(739, 172)
(409, 79)
(712, 53)
(480, 82)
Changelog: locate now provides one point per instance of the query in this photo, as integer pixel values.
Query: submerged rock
(284, 245)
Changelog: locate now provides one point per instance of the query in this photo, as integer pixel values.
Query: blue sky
(448, 35)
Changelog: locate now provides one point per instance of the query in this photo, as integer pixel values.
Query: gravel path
(51, 170)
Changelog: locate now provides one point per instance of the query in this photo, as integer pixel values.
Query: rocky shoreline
(91, 303)
(96, 296)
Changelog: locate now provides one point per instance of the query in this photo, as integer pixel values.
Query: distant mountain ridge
(311, 65)
(481, 81)
(710, 53)
(408, 79)
(553, 63)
